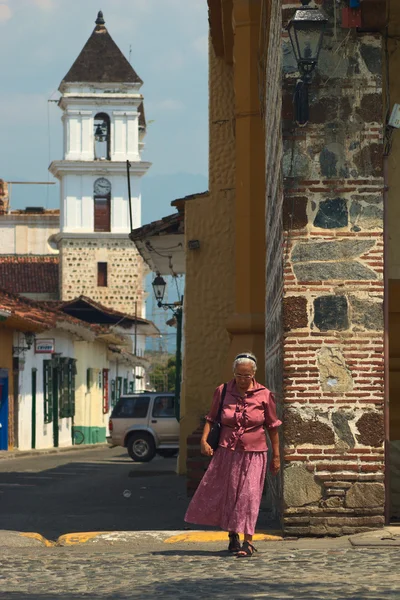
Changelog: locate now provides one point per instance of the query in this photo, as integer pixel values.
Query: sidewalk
(10, 454)
(387, 537)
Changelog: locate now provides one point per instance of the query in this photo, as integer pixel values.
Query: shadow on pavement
(256, 586)
(92, 495)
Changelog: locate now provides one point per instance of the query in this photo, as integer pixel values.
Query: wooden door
(102, 213)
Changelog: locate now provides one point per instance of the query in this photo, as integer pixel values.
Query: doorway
(3, 409)
(33, 413)
(56, 387)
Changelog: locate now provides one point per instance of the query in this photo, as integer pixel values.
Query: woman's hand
(206, 449)
(275, 465)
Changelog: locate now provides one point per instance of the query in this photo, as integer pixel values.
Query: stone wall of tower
(125, 272)
(333, 363)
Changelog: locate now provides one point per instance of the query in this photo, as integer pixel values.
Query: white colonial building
(104, 126)
(80, 264)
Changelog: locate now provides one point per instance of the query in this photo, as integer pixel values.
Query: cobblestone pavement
(279, 571)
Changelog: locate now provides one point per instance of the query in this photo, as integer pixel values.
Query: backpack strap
(221, 404)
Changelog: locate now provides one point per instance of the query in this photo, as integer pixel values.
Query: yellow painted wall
(89, 402)
(6, 353)
(210, 271)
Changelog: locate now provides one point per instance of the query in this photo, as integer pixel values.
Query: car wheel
(141, 447)
(167, 453)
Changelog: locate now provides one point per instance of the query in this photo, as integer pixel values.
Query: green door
(56, 377)
(33, 419)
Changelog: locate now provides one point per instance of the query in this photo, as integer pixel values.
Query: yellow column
(247, 325)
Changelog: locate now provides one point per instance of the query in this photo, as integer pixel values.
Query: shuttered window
(119, 388)
(102, 213)
(67, 387)
(106, 403)
(48, 390)
(113, 395)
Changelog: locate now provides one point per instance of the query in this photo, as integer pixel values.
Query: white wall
(44, 431)
(78, 203)
(23, 234)
(78, 123)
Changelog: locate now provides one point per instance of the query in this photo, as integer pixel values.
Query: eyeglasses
(243, 376)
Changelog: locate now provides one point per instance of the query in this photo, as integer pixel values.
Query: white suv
(146, 425)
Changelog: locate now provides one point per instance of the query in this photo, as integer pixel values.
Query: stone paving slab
(389, 536)
(186, 571)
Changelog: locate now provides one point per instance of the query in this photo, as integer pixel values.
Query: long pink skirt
(229, 494)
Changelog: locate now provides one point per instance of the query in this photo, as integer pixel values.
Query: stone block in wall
(340, 271)
(340, 421)
(332, 214)
(341, 250)
(296, 163)
(300, 487)
(306, 431)
(331, 313)
(371, 429)
(333, 163)
(366, 216)
(295, 312)
(333, 371)
(370, 109)
(366, 314)
(295, 213)
(365, 495)
(369, 160)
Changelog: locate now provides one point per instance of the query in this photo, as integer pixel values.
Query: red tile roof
(37, 316)
(28, 274)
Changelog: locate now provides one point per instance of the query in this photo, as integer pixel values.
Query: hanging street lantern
(159, 286)
(306, 31)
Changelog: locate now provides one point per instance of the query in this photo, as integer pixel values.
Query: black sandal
(246, 550)
(234, 543)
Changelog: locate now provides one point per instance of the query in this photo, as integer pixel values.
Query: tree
(162, 373)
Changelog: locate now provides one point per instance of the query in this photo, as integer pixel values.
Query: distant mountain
(159, 191)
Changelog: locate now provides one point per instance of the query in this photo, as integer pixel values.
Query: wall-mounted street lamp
(159, 285)
(306, 31)
(29, 339)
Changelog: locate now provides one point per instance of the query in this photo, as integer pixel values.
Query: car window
(132, 408)
(164, 407)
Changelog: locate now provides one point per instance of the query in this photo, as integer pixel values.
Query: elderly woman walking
(229, 494)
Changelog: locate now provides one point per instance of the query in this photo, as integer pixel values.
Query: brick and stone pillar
(332, 318)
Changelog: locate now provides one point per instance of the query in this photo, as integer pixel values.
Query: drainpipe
(386, 334)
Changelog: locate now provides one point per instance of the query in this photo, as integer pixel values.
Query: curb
(11, 454)
(109, 538)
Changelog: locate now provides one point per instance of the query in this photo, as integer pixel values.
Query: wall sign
(45, 346)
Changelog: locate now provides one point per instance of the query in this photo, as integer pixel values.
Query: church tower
(104, 127)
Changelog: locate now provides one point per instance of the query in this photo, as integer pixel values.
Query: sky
(167, 43)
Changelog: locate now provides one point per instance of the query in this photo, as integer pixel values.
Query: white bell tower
(104, 127)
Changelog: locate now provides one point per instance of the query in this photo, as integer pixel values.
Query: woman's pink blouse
(243, 419)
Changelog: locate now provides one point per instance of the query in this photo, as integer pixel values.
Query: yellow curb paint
(216, 536)
(39, 538)
(73, 539)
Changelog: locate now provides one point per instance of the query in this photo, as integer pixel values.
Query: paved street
(102, 489)
(90, 490)
(155, 570)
